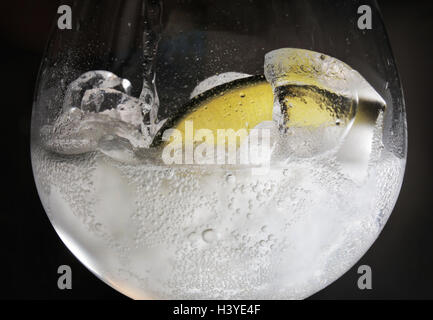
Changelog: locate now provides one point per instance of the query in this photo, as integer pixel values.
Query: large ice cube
(91, 80)
(77, 132)
(314, 99)
(116, 104)
(118, 148)
(99, 114)
(354, 154)
(322, 104)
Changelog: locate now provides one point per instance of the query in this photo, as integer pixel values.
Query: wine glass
(119, 93)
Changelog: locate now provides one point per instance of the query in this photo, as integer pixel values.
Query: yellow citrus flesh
(245, 106)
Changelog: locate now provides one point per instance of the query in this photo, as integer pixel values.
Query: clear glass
(192, 231)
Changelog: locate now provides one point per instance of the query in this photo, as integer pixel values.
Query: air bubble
(209, 235)
(230, 178)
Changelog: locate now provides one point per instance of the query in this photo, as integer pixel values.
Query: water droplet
(209, 235)
(230, 178)
(191, 236)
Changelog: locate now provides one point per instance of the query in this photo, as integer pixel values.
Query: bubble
(209, 235)
(230, 178)
(192, 236)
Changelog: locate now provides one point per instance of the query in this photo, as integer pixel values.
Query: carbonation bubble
(209, 235)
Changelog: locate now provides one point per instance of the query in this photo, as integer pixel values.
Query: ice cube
(115, 104)
(76, 132)
(118, 148)
(314, 99)
(321, 104)
(64, 137)
(354, 154)
(91, 80)
(99, 114)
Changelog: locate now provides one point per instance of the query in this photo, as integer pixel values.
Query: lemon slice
(247, 102)
(239, 105)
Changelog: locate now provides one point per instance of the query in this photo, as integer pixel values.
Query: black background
(31, 251)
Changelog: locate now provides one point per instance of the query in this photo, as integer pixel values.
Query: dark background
(31, 251)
